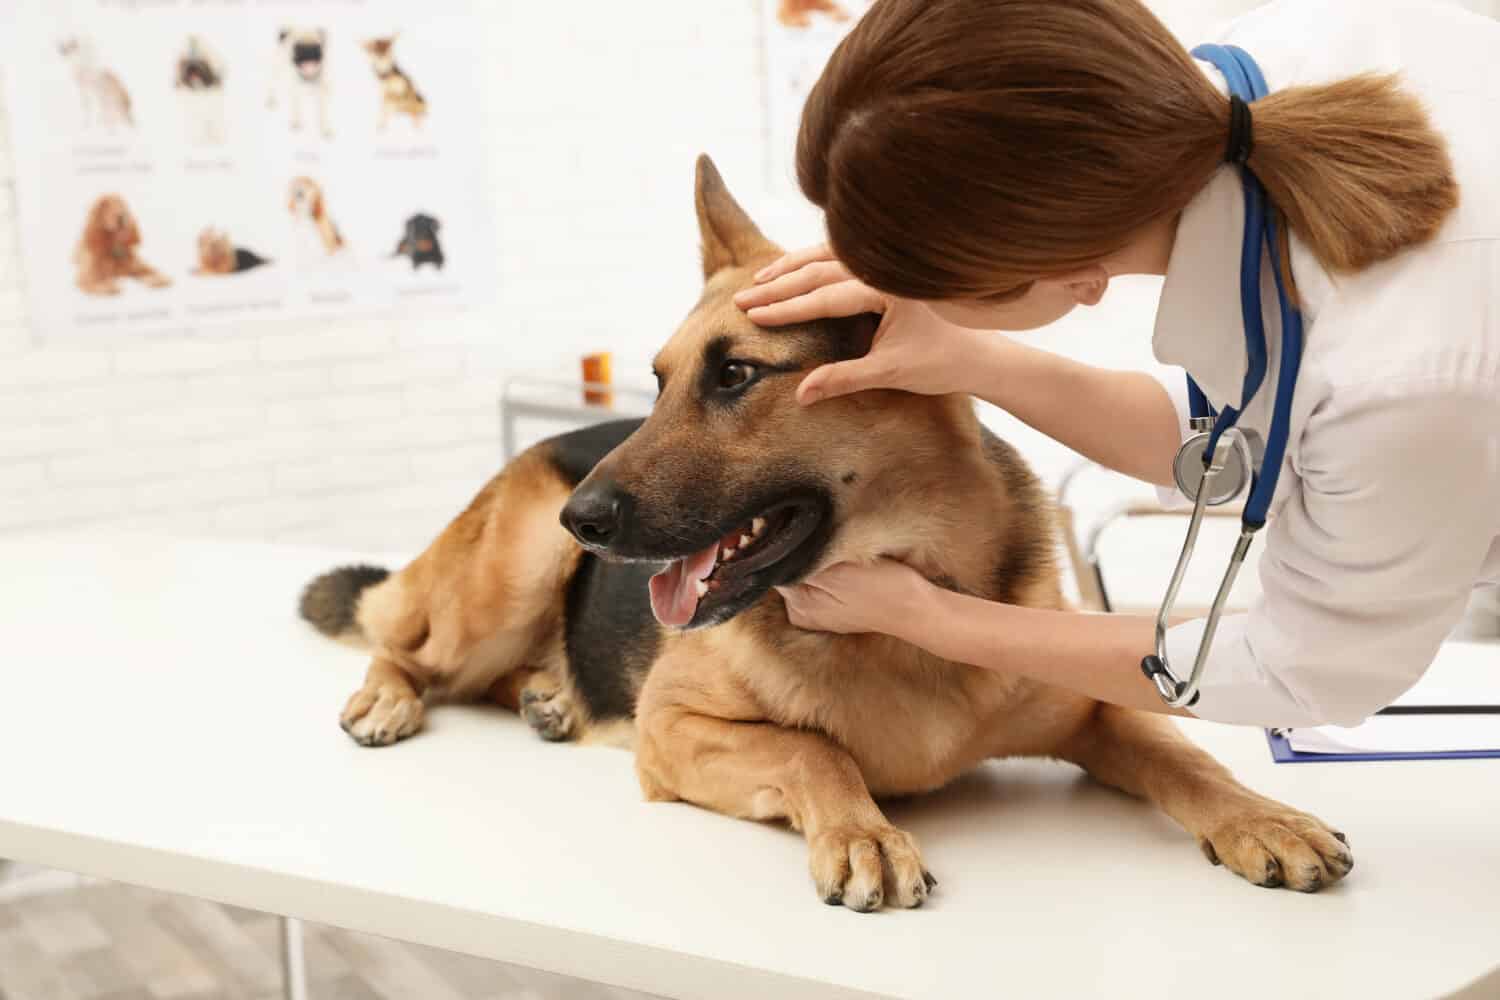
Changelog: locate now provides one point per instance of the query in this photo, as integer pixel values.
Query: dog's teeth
(757, 526)
(746, 539)
(702, 587)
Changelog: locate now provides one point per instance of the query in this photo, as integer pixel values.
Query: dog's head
(197, 69)
(215, 252)
(730, 482)
(305, 45)
(304, 198)
(111, 227)
(379, 50)
(421, 232)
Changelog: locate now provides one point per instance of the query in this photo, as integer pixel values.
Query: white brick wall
(372, 432)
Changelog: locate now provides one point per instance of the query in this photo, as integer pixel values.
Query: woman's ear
(1085, 286)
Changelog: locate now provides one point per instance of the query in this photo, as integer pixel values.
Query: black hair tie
(1240, 141)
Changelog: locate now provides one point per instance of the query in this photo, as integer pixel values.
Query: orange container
(596, 378)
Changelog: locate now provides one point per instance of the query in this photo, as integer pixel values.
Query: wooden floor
(115, 942)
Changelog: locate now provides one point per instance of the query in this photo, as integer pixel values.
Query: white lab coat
(1388, 509)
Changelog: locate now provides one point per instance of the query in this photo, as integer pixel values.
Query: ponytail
(1355, 167)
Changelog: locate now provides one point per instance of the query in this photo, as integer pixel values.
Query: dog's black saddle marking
(609, 633)
(576, 454)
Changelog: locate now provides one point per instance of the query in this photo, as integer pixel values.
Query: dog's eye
(735, 374)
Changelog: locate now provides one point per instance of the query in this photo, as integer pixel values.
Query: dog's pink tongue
(674, 591)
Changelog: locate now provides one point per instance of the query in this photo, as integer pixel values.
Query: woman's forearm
(1096, 655)
(1123, 420)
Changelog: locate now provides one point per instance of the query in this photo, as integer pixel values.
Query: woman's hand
(805, 285)
(913, 350)
(850, 598)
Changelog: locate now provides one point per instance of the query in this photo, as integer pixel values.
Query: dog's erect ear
(730, 239)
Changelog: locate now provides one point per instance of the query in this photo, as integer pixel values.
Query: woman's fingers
(798, 282)
(844, 377)
(791, 261)
(843, 298)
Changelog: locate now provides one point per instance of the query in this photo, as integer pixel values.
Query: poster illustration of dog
(104, 100)
(800, 13)
(217, 255)
(316, 236)
(300, 74)
(200, 89)
(419, 242)
(107, 250)
(398, 95)
(156, 192)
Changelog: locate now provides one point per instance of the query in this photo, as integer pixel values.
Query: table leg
(293, 962)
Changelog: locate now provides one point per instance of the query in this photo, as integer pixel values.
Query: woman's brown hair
(962, 149)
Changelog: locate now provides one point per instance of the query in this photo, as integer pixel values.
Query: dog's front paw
(1274, 845)
(377, 716)
(550, 712)
(865, 867)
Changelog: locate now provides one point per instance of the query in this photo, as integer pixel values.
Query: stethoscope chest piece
(1235, 465)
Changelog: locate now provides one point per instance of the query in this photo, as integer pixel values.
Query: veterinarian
(990, 166)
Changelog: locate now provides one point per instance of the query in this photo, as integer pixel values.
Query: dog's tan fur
(477, 615)
(756, 718)
(107, 250)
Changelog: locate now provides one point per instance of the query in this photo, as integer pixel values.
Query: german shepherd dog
(726, 491)
(398, 95)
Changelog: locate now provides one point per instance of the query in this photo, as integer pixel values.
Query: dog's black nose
(595, 513)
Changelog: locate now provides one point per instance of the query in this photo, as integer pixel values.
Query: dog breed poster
(201, 165)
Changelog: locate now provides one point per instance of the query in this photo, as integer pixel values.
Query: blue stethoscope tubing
(1214, 445)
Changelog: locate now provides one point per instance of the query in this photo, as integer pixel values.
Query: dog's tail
(329, 602)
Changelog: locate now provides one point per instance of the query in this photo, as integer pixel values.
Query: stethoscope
(1214, 464)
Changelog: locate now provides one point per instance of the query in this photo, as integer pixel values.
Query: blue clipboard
(1282, 752)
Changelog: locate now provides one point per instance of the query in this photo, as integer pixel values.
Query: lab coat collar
(1198, 320)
